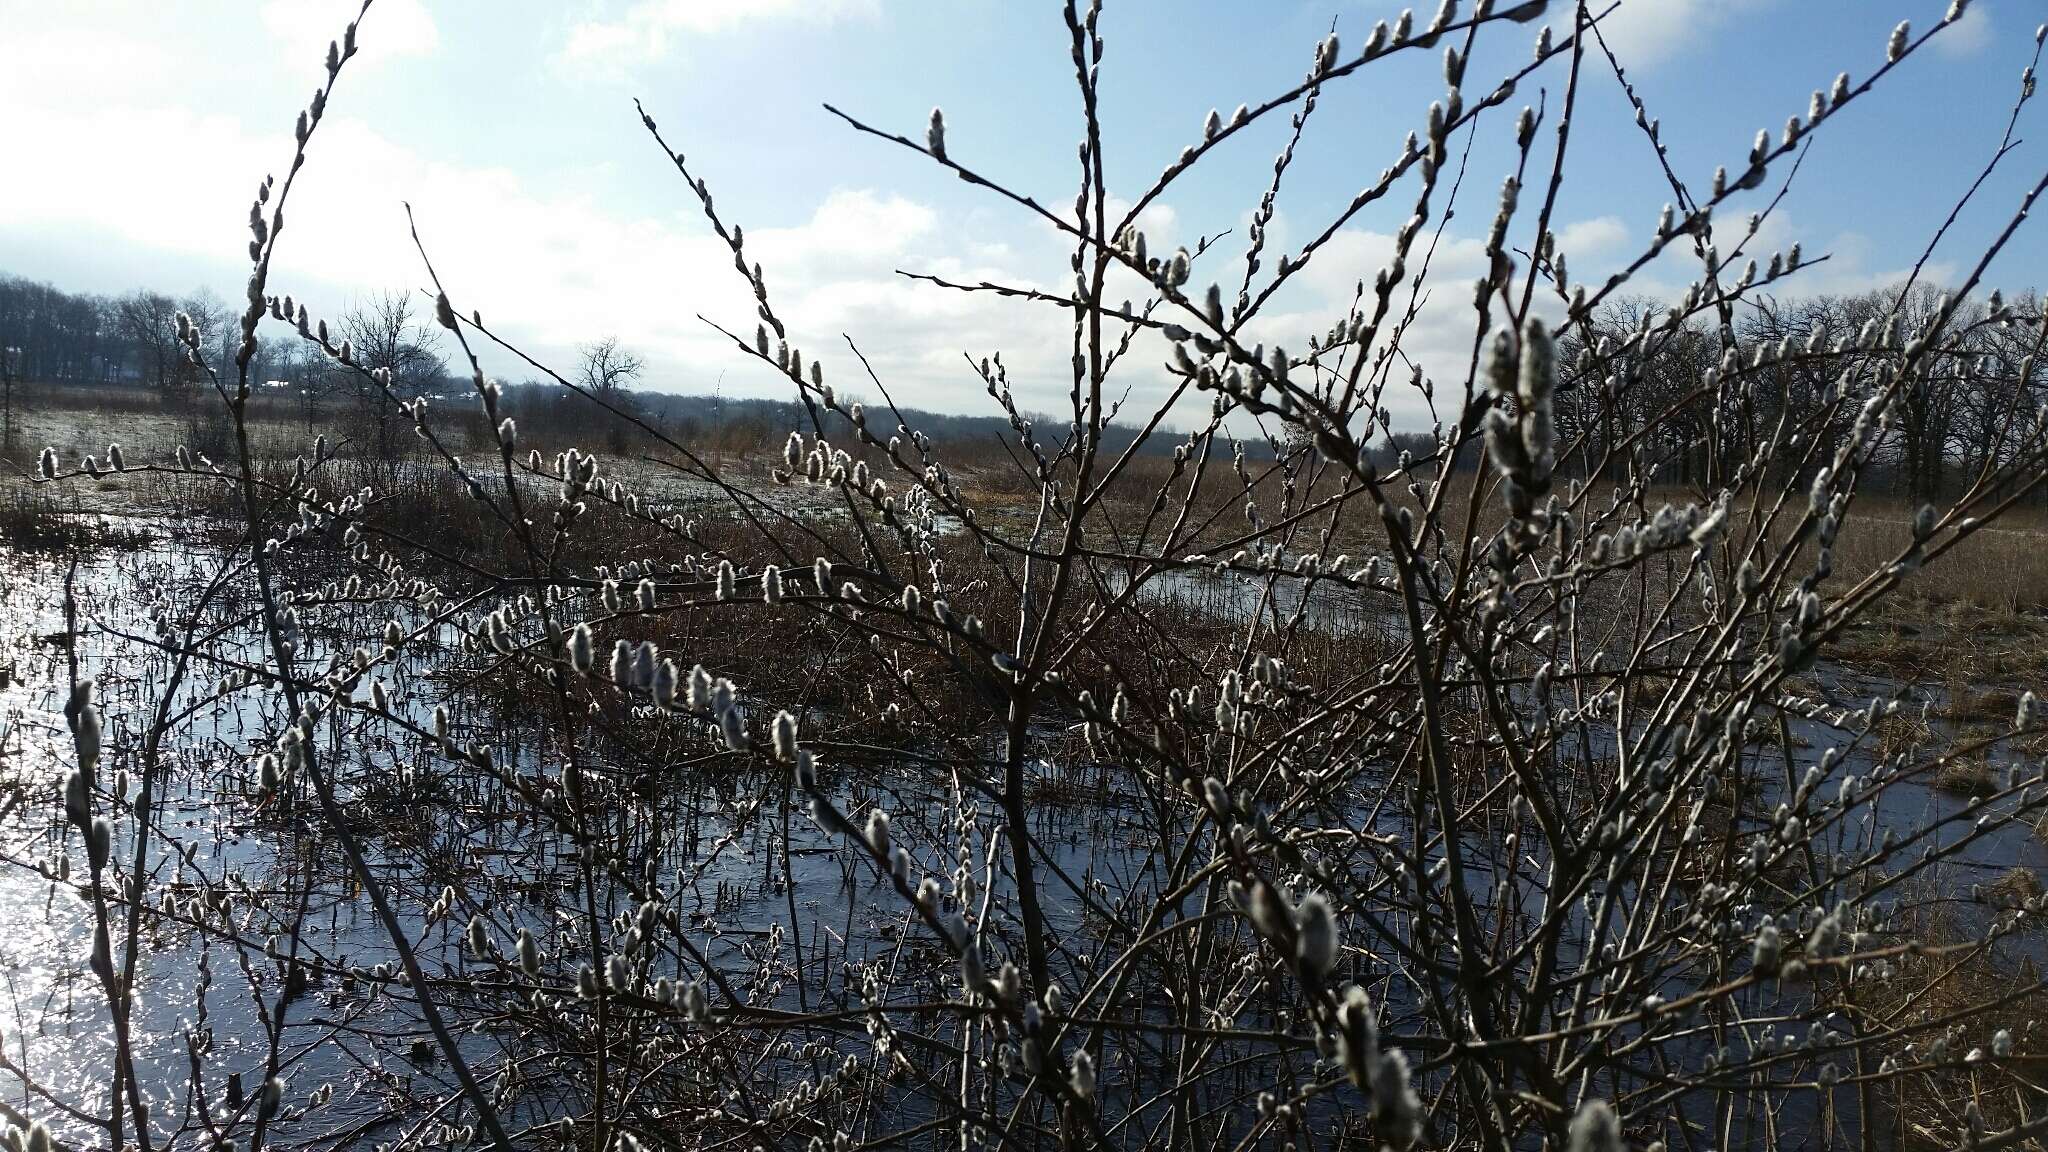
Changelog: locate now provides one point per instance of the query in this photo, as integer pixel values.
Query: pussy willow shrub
(1565, 841)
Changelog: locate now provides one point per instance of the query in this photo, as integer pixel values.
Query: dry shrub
(1428, 790)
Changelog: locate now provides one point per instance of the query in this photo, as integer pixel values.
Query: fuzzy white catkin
(88, 734)
(1316, 939)
(732, 725)
(785, 737)
(579, 648)
(1081, 1075)
(1765, 954)
(100, 845)
(102, 950)
(1596, 1128)
(695, 1005)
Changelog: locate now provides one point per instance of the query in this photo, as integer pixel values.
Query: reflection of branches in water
(1228, 798)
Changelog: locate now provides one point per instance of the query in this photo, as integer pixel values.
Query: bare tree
(148, 321)
(384, 338)
(10, 371)
(607, 368)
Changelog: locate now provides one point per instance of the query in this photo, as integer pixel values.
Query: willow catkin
(87, 733)
(1081, 1074)
(664, 688)
(785, 737)
(1316, 939)
(1596, 1128)
(580, 654)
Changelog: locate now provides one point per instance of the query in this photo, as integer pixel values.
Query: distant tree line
(736, 424)
(52, 337)
(1947, 430)
(56, 337)
(1951, 424)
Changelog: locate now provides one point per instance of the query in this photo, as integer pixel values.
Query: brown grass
(1976, 990)
(2013, 888)
(2000, 566)
(1967, 778)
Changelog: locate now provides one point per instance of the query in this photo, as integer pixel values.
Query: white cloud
(1592, 240)
(549, 268)
(555, 269)
(1647, 32)
(37, 62)
(1967, 36)
(1439, 338)
(1843, 263)
(861, 224)
(1160, 222)
(393, 30)
(647, 28)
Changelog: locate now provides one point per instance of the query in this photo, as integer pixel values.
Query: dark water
(721, 859)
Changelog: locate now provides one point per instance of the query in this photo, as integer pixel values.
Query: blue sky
(139, 131)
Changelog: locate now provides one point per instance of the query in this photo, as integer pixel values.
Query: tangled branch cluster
(1500, 809)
